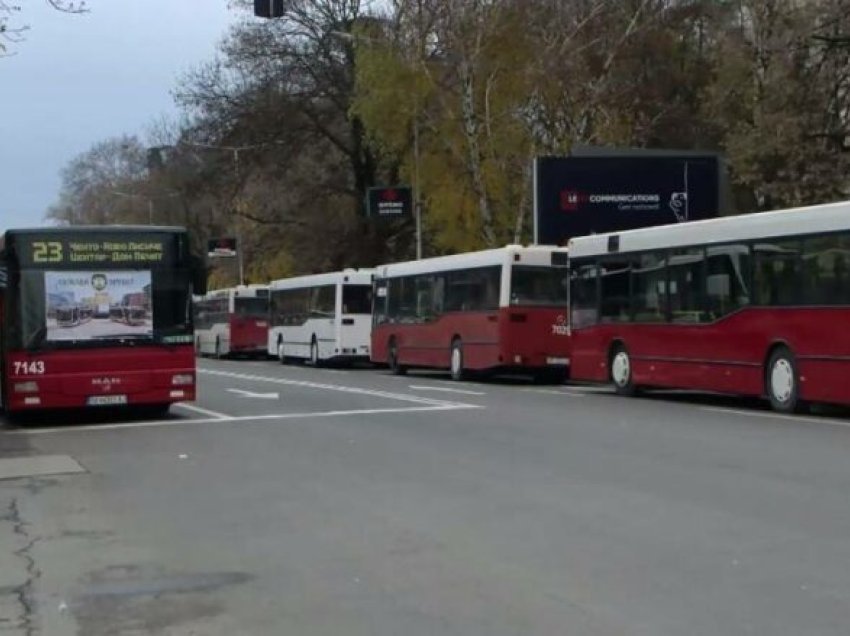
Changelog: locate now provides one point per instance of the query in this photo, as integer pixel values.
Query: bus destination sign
(95, 249)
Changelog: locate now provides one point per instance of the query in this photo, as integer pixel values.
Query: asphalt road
(292, 500)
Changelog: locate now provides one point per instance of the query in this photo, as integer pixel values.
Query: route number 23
(36, 367)
(46, 252)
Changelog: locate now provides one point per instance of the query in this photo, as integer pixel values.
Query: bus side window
(614, 274)
(777, 272)
(584, 297)
(825, 270)
(687, 286)
(727, 279)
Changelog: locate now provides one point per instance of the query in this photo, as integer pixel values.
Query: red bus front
(96, 317)
(111, 376)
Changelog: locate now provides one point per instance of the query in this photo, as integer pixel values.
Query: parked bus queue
(751, 305)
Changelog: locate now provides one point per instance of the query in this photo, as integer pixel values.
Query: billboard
(225, 246)
(395, 202)
(89, 305)
(580, 195)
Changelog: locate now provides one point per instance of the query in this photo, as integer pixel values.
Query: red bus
(96, 316)
(232, 321)
(495, 310)
(754, 305)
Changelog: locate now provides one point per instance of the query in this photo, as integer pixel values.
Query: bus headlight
(25, 387)
(182, 379)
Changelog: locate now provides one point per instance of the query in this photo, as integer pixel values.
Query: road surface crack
(24, 592)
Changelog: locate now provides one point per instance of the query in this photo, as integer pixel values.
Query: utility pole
(417, 204)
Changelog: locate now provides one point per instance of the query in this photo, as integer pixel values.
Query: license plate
(558, 361)
(106, 400)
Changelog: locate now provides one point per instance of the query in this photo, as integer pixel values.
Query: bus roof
(830, 217)
(247, 291)
(540, 255)
(353, 276)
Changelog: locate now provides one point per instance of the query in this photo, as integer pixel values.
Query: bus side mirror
(199, 276)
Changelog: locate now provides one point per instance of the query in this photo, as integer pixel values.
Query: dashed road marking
(323, 386)
(201, 411)
(423, 387)
(93, 428)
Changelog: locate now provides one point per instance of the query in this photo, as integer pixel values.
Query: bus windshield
(357, 299)
(62, 308)
(538, 286)
(252, 307)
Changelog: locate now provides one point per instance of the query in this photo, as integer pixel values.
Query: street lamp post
(235, 150)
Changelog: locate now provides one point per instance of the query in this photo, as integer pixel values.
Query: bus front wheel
(782, 382)
(620, 371)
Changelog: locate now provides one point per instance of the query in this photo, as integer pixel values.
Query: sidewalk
(17, 567)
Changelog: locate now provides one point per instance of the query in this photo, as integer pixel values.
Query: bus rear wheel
(392, 359)
(281, 353)
(620, 371)
(782, 382)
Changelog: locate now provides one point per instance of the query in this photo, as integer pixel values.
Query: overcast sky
(80, 79)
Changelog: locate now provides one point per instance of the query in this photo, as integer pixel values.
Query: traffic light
(268, 8)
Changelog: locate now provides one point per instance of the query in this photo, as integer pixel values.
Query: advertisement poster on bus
(581, 195)
(98, 305)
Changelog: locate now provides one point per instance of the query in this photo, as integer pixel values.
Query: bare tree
(13, 33)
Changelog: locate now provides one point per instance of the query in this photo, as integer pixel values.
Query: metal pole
(150, 211)
(237, 222)
(417, 207)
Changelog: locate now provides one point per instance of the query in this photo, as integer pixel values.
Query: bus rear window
(252, 307)
(357, 299)
(541, 286)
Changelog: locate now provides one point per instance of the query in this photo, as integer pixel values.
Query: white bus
(232, 321)
(321, 317)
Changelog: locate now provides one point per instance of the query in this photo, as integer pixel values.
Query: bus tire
(315, 360)
(620, 371)
(218, 355)
(456, 361)
(392, 359)
(281, 353)
(782, 382)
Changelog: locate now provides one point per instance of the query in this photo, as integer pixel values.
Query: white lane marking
(251, 394)
(241, 418)
(776, 416)
(422, 387)
(198, 409)
(401, 397)
(337, 371)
